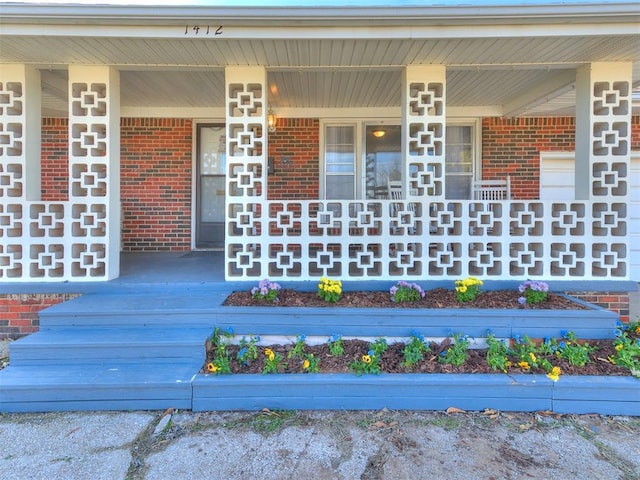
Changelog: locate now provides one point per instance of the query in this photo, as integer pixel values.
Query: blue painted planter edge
(521, 392)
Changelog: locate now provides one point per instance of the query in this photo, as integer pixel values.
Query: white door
(557, 183)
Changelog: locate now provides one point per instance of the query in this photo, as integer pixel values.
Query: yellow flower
(462, 289)
(637, 329)
(269, 353)
(554, 374)
(305, 364)
(532, 357)
(524, 365)
(619, 347)
(366, 358)
(212, 368)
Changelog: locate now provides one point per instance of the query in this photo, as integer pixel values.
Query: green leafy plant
(298, 347)
(273, 361)
(457, 353)
(575, 353)
(311, 364)
(330, 290)
(528, 355)
(497, 353)
(368, 363)
(404, 292)
(336, 348)
(248, 350)
(414, 350)
(266, 290)
(220, 363)
(627, 348)
(467, 290)
(379, 346)
(533, 292)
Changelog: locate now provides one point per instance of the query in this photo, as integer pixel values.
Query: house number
(202, 30)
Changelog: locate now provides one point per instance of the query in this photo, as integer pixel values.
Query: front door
(210, 185)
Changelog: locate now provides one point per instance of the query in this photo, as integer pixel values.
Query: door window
(211, 186)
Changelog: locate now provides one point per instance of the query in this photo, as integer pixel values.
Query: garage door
(557, 183)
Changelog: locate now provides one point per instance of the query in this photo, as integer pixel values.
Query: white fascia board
(325, 10)
(390, 32)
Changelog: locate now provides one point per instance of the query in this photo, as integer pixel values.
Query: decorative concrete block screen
(424, 235)
(56, 241)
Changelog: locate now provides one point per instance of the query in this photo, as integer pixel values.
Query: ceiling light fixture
(378, 133)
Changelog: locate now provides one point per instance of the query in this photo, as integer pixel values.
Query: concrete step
(126, 311)
(76, 346)
(112, 386)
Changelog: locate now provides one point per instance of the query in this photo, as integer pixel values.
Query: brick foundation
(616, 302)
(19, 312)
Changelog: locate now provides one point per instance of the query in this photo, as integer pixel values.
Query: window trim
(360, 125)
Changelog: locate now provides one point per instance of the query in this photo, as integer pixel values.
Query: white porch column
(423, 144)
(602, 168)
(93, 232)
(20, 137)
(246, 189)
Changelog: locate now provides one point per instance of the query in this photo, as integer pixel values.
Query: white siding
(557, 183)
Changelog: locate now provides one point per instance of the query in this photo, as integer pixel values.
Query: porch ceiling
(510, 75)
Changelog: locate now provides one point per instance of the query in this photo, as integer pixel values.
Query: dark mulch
(436, 298)
(392, 360)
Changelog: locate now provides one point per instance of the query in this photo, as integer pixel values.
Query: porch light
(378, 133)
(272, 119)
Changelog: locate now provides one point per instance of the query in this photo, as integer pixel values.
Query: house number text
(202, 30)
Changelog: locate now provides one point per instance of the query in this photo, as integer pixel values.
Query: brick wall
(295, 149)
(155, 185)
(55, 160)
(512, 146)
(156, 167)
(616, 302)
(19, 312)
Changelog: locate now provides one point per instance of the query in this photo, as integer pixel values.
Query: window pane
(458, 187)
(340, 134)
(339, 161)
(459, 162)
(340, 187)
(383, 159)
(458, 134)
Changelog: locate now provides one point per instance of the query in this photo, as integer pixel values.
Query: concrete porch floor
(140, 271)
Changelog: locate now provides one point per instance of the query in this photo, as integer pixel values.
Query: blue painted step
(97, 387)
(99, 345)
(125, 311)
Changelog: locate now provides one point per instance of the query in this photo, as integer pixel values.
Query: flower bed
(227, 353)
(373, 371)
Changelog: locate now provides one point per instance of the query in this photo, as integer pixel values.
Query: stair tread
(93, 376)
(113, 336)
(96, 304)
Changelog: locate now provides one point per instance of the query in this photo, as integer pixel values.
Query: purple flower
(522, 301)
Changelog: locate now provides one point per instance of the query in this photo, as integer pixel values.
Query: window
(359, 163)
(340, 162)
(458, 168)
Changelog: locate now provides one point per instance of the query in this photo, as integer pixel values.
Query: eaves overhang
(327, 13)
